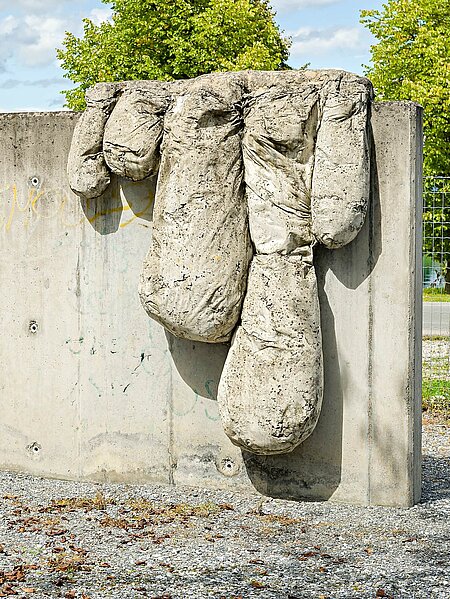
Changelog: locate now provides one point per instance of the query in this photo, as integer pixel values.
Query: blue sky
(325, 33)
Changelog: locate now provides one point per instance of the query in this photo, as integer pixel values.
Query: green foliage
(436, 397)
(436, 378)
(172, 39)
(411, 61)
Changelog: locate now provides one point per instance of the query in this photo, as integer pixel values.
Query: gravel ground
(433, 349)
(65, 539)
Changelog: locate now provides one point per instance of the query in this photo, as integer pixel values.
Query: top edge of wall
(4, 114)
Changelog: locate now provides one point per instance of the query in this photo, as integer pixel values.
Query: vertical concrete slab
(38, 409)
(124, 365)
(396, 309)
(93, 388)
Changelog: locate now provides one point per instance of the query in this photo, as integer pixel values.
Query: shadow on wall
(122, 201)
(199, 364)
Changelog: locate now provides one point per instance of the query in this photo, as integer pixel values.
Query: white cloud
(30, 32)
(40, 38)
(308, 42)
(31, 6)
(7, 25)
(99, 15)
(284, 5)
(31, 39)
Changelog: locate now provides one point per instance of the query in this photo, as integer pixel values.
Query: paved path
(436, 318)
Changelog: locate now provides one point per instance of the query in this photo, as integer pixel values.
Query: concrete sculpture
(253, 170)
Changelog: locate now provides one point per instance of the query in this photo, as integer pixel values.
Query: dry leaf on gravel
(256, 584)
(15, 575)
(7, 590)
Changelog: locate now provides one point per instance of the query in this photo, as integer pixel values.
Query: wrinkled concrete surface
(269, 163)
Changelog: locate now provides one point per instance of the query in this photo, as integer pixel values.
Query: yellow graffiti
(15, 204)
(33, 207)
(136, 215)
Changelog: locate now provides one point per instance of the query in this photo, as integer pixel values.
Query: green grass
(431, 294)
(436, 380)
(436, 397)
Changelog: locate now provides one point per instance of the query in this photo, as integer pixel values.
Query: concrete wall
(91, 388)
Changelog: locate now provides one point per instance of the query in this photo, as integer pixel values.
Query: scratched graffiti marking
(26, 208)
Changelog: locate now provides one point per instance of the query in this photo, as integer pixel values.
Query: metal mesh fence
(436, 294)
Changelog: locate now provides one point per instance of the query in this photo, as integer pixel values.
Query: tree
(411, 61)
(172, 39)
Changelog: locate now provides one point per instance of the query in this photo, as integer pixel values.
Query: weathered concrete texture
(89, 175)
(340, 187)
(195, 273)
(77, 352)
(93, 388)
(270, 392)
(134, 132)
